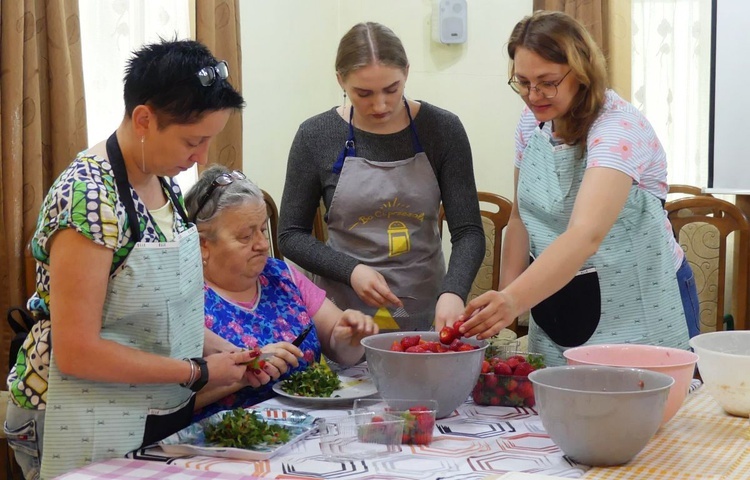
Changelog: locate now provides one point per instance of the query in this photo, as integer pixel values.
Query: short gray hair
(236, 193)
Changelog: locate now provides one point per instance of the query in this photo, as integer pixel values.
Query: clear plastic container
(418, 415)
(360, 436)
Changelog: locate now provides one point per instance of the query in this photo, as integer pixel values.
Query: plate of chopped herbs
(318, 384)
(246, 434)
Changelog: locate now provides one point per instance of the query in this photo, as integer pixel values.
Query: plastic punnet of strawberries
(505, 381)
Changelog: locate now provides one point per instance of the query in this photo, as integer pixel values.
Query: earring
(205, 262)
(143, 153)
(343, 105)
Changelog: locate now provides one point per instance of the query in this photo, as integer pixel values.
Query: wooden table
(700, 442)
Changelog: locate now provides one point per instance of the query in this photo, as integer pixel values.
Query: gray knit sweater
(316, 146)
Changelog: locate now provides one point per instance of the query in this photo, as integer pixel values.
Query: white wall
(288, 51)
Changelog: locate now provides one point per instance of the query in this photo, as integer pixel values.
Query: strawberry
(525, 390)
(405, 438)
(417, 349)
(503, 368)
(447, 335)
(530, 401)
(465, 347)
(523, 369)
(455, 344)
(486, 367)
(457, 328)
(433, 346)
(422, 438)
(512, 385)
(490, 380)
(396, 346)
(515, 360)
(407, 342)
(376, 419)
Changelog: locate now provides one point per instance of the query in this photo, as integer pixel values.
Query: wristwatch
(203, 379)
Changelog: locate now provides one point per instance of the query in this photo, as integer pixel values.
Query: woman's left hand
(284, 355)
(353, 326)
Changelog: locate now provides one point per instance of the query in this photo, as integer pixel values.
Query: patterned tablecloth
(471, 443)
(127, 469)
(700, 442)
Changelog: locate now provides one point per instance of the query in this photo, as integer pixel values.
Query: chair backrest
(702, 225)
(273, 225)
(494, 220)
(678, 190)
(320, 228)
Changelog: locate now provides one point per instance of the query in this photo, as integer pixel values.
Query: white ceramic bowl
(446, 377)
(600, 416)
(724, 366)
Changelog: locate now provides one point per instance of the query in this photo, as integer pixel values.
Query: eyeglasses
(545, 89)
(208, 75)
(221, 181)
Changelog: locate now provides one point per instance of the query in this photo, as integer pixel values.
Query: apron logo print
(399, 241)
(89, 410)
(85, 440)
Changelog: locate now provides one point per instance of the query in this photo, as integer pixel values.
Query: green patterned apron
(155, 304)
(639, 298)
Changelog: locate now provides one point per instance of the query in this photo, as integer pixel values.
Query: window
(110, 31)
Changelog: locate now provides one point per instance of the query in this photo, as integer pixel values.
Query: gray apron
(154, 303)
(385, 214)
(627, 292)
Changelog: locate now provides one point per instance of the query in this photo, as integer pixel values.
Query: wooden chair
(320, 228)
(494, 220)
(273, 225)
(678, 190)
(703, 224)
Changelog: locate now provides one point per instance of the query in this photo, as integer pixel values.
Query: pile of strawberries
(505, 382)
(450, 341)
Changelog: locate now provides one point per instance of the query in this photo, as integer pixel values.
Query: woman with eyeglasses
(591, 182)
(118, 350)
(252, 300)
(382, 163)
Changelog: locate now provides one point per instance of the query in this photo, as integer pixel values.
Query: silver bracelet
(193, 374)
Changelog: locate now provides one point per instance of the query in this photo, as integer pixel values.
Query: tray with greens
(246, 434)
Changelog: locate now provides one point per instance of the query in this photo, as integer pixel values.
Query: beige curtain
(608, 21)
(217, 25)
(43, 124)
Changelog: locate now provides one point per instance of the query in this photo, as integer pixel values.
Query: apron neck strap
(350, 150)
(123, 187)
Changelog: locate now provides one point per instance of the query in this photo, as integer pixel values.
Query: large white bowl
(600, 416)
(446, 377)
(724, 365)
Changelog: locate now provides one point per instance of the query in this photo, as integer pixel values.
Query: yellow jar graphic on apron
(398, 239)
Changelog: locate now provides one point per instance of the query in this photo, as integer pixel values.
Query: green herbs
(316, 381)
(242, 429)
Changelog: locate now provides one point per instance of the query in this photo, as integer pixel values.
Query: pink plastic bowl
(679, 364)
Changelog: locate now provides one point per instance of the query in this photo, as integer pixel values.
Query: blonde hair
(559, 38)
(367, 44)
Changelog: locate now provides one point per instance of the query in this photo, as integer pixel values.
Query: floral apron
(154, 303)
(385, 214)
(627, 292)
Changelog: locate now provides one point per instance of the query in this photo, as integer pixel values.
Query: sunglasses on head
(208, 75)
(221, 181)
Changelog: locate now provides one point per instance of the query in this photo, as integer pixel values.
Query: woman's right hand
(372, 288)
(226, 368)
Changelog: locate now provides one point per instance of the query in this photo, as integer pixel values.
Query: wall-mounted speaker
(449, 21)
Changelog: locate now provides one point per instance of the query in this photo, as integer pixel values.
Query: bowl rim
(550, 370)
(605, 346)
(743, 333)
(483, 344)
